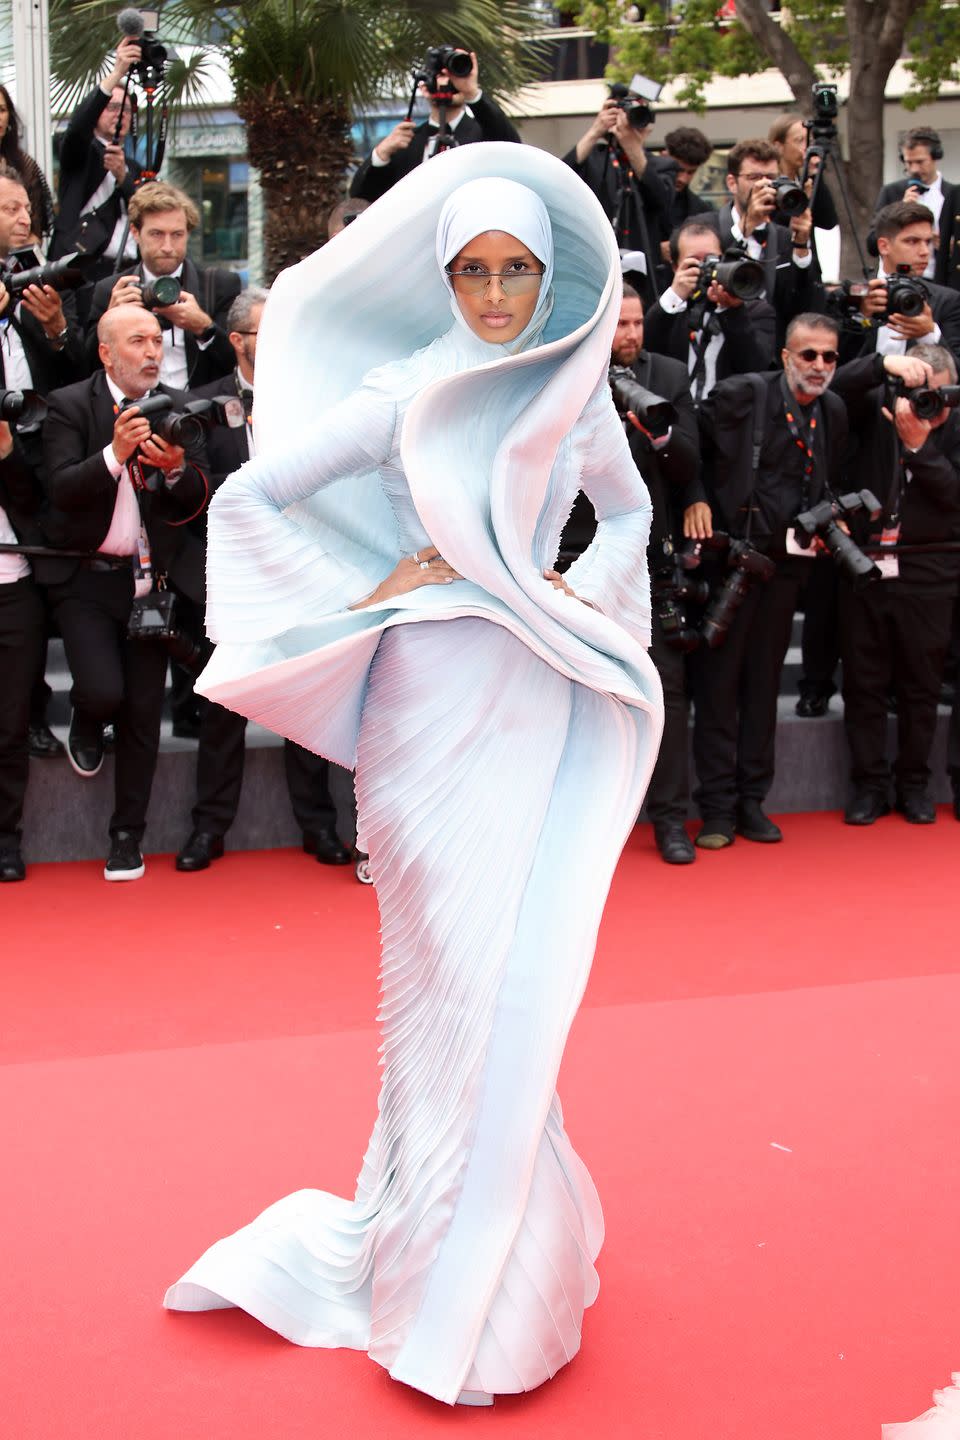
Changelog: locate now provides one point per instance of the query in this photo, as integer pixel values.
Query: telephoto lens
(59, 275)
(654, 413)
(22, 407)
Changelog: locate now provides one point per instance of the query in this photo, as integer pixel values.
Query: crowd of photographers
(801, 443)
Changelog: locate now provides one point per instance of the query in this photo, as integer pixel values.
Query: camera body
(184, 427)
(746, 566)
(906, 295)
(843, 303)
(24, 408)
(826, 103)
(820, 523)
(735, 272)
(654, 413)
(639, 114)
(443, 57)
(673, 587)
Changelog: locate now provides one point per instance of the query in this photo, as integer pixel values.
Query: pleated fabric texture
(941, 1422)
(503, 735)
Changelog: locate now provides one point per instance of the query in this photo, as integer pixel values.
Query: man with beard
(754, 494)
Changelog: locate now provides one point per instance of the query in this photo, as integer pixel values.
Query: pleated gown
(503, 735)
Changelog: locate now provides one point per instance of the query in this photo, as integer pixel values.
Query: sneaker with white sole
(125, 861)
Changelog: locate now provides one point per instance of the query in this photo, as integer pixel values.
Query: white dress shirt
(12, 567)
(673, 304)
(126, 535)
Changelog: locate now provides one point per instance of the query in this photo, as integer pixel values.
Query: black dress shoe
(917, 807)
(866, 807)
(812, 706)
(715, 835)
(42, 743)
(327, 846)
(753, 824)
(200, 849)
(11, 865)
(85, 747)
(675, 845)
(125, 861)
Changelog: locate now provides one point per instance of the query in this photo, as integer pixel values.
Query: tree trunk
(302, 150)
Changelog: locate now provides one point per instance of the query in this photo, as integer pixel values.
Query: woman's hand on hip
(424, 567)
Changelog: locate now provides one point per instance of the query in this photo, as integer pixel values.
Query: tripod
(151, 76)
(628, 215)
(823, 143)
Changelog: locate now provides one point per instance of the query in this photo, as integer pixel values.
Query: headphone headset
(931, 139)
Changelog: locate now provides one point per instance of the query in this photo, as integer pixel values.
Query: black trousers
(892, 640)
(820, 642)
(114, 678)
(220, 757)
(668, 797)
(735, 689)
(21, 644)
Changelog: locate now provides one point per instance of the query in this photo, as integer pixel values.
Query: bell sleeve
(273, 562)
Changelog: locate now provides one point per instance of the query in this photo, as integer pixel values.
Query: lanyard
(803, 441)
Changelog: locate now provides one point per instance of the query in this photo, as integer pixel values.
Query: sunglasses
(829, 357)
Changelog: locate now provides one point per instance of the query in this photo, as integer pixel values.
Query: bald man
(123, 494)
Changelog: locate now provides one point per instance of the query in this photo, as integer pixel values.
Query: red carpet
(763, 1081)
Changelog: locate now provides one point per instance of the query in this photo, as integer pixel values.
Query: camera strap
(804, 437)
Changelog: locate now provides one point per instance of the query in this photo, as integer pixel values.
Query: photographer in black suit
(119, 490)
(670, 464)
(895, 631)
(905, 236)
(22, 631)
(924, 185)
(220, 754)
(471, 116)
(717, 337)
(195, 345)
(803, 430)
(96, 178)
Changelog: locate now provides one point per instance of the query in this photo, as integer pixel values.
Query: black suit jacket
(227, 448)
(945, 306)
(215, 291)
(484, 120)
(670, 474)
(929, 505)
(748, 336)
(81, 492)
(727, 428)
(21, 496)
(791, 290)
(81, 173)
(946, 269)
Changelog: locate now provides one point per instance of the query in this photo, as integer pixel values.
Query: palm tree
(299, 70)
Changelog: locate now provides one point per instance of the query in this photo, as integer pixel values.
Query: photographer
(803, 431)
(792, 274)
(789, 137)
(470, 115)
(96, 178)
(195, 344)
(924, 185)
(713, 332)
(895, 631)
(220, 753)
(685, 151)
(670, 463)
(610, 157)
(904, 235)
(21, 645)
(118, 489)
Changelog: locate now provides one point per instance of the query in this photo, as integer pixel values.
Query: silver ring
(424, 564)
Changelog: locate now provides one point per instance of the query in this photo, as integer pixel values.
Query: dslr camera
(737, 274)
(184, 427)
(792, 199)
(746, 565)
(822, 129)
(843, 303)
(443, 57)
(654, 413)
(821, 523)
(673, 588)
(22, 270)
(906, 295)
(159, 293)
(24, 408)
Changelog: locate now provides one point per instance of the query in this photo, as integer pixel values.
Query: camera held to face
(821, 523)
(443, 57)
(926, 402)
(733, 272)
(906, 295)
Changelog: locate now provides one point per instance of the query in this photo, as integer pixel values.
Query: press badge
(888, 565)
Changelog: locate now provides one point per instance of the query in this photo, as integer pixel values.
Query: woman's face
(794, 148)
(496, 280)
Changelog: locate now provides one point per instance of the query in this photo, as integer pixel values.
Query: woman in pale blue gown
(381, 590)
